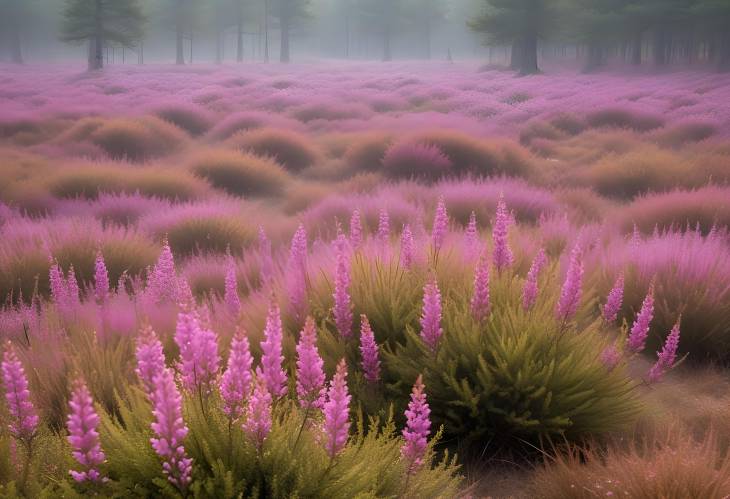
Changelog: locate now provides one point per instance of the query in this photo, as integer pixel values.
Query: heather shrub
(192, 119)
(407, 159)
(683, 133)
(137, 140)
(624, 118)
(330, 112)
(238, 122)
(241, 174)
(367, 152)
(209, 233)
(290, 149)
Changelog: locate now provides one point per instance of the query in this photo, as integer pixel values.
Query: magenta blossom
(83, 437)
(431, 314)
(310, 368)
(297, 272)
(471, 238)
(337, 412)
(479, 305)
(343, 303)
(418, 427)
(235, 383)
(640, 329)
(258, 412)
(529, 291)
(272, 358)
(502, 255)
(23, 421)
(369, 351)
(406, 247)
(614, 300)
(610, 357)
(572, 286)
(101, 280)
(162, 282)
(667, 356)
(383, 226)
(230, 297)
(440, 225)
(150, 358)
(355, 230)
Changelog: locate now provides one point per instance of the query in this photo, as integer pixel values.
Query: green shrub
(241, 174)
(291, 150)
(366, 153)
(209, 234)
(193, 120)
(624, 118)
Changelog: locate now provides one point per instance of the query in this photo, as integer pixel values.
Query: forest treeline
(658, 32)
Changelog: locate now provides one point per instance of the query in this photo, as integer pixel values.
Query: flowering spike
(266, 262)
(418, 427)
(272, 357)
(83, 438)
(235, 383)
(150, 358)
(667, 356)
(471, 238)
(170, 430)
(258, 412)
(431, 314)
(529, 291)
(101, 279)
(572, 286)
(440, 225)
(341, 295)
(233, 302)
(640, 328)
(23, 421)
(383, 226)
(610, 357)
(199, 358)
(297, 272)
(406, 247)
(479, 305)
(59, 293)
(337, 412)
(310, 368)
(355, 230)
(72, 287)
(614, 300)
(162, 282)
(369, 351)
(502, 256)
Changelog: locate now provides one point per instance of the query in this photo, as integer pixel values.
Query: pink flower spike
(310, 368)
(369, 351)
(406, 247)
(341, 295)
(297, 272)
(667, 356)
(83, 438)
(231, 298)
(170, 430)
(383, 226)
(101, 280)
(23, 422)
(640, 328)
(614, 300)
(502, 255)
(272, 358)
(529, 291)
(162, 282)
(440, 225)
(572, 286)
(235, 384)
(480, 298)
(150, 358)
(355, 230)
(258, 413)
(431, 314)
(418, 427)
(337, 412)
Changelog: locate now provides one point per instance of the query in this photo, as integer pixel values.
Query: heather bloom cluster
(336, 426)
(83, 438)
(257, 424)
(369, 351)
(64, 289)
(480, 305)
(614, 300)
(150, 358)
(23, 422)
(341, 295)
(471, 238)
(231, 298)
(431, 330)
(297, 272)
(272, 357)
(530, 289)
(199, 357)
(356, 234)
(406, 247)
(235, 383)
(383, 233)
(418, 427)
(640, 328)
(667, 356)
(502, 254)
(310, 368)
(162, 283)
(572, 286)
(170, 430)
(101, 280)
(440, 225)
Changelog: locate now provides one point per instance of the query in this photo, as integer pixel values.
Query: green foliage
(118, 21)
(241, 174)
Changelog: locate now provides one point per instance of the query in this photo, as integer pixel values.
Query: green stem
(301, 428)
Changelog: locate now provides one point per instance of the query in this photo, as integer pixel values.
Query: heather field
(355, 280)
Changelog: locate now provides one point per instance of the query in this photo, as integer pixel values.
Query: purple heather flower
(610, 357)
(162, 282)
(471, 238)
(310, 368)
(355, 230)
(383, 226)
(23, 421)
(431, 314)
(502, 256)
(369, 351)
(297, 272)
(418, 427)
(101, 279)
(170, 430)
(337, 412)
(406, 247)
(529, 291)
(667, 356)
(199, 358)
(58, 285)
(640, 329)
(341, 295)
(440, 225)
(479, 305)
(150, 358)
(257, 424)
(614, 300)
(572, 286)
(83, 437)
(231, 298)
(272, 358)
(235, 383)
(72, 286)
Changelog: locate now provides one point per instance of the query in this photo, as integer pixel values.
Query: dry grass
(209, 234)
(241, 174)
(290, 149)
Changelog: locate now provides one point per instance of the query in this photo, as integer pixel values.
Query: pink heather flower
(162, 282)
(529, 291)
(406, 247)
(667, 356)
(266, 263)
(471, 238)
(235, 382)
(199, 358)
(272, 358)
(610, 357)
(297, 272)
(231, 298)
(383, 226)
(101, 279)
(355, 230)
(23, 421)
(59, 293)
(150, 358)
(83, 437)
(337, 412)
(502, 256)
(258, 412)
(170, 430)
(418, 427)
(369, 351)
(640, 328)
(479, 305)
(572, 286)
(310, 368)
(185, 298)
(341, 295)
(614, 300)
(440, 225)
(431, 314)
(72, 289)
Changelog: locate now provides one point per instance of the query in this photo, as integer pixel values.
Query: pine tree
(288, 12)
(101, 22)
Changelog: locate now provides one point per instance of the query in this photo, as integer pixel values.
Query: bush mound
(366, 153)
(137, 139)
(416, 160)
(192, 119)
(624, 118)
(241, 174)
(291, 150)
(209, 234)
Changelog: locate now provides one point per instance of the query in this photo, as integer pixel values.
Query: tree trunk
(427, 33)
(284, 49)
(660, 47)
(595, 57)
(140, 59)
(16, 51)
(239, 33)
(218, 48)
(387, 49)
(179, 57)
(96, 60)
(516, 55)
(723, 52)
(528, 59)
(266, 30)
(636, 46)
